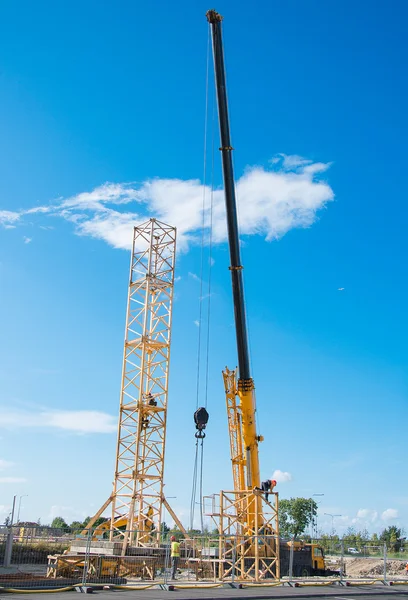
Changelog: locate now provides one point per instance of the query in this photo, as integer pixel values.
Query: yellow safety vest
(175, 549)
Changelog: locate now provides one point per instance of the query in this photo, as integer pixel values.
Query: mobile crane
(242, 424)
(254, 548)
(243, 513)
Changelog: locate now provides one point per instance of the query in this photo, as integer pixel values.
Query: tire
(304, 571)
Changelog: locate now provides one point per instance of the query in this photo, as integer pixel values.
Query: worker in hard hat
(175, 556)
(267, 487)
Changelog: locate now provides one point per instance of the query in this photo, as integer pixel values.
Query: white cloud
(108, 193)
(27, 240)
(8, 218)
(367, 514)
(80, 421)
(12, 479)
(194, 276)
(196, 323)
(389, 514)
(270, 203)
(281, 476)
(5, 464)
(291, 162)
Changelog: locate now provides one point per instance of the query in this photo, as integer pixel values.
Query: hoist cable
(200, 446)
(201, 487)
(194, 488)
(210, 242)
(203, 222)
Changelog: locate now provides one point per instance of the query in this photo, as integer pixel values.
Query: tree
(164, 528)
(295, 515)
(59, 523)
(76, 526)
(392, 536)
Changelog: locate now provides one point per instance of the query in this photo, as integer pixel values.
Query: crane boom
(246, 390)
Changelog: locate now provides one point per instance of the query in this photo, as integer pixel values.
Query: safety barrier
(47, 559)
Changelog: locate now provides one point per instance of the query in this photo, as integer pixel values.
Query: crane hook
(201, 417)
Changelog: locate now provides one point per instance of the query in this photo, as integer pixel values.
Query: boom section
(230, 199)
(245, 383)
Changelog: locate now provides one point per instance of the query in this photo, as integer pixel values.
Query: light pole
(311, 515)
(19, 507)
(12, 511)
(332, 516)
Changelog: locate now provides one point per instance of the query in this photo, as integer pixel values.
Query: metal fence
(48, 558)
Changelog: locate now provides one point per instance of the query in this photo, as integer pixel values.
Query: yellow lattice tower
(137, 497)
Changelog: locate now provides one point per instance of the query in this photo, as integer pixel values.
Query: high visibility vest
(175, 549)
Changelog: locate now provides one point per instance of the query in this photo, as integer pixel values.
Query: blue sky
(102, 118)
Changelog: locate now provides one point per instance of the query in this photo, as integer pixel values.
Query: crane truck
(261, 552)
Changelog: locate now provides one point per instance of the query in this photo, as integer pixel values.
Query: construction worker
(175, 556)
(151, 400)
(267, 487)
(406, 569)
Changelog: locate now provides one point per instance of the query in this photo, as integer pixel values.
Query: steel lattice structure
(137, 497)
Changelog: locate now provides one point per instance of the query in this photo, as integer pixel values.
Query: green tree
(295, 515)
(392, 536)
(60, 523)
(176, 532)
(76, 526)
(164, 528)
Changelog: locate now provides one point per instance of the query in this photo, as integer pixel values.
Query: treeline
(393, 537)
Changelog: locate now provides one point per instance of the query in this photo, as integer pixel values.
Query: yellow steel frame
(137, 497)
(247, 556)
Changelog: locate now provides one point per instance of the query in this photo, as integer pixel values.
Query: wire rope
(210, 259)
(199, 453)
(194, 488)
(203, 224)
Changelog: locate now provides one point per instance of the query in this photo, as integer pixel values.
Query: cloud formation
(271, 201)
(77, 421)
(389, 514)
(281, 476)
(8, 218)
(5, 464)
(366, 514)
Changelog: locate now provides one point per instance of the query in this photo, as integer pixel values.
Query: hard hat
(274, 482)
(172, 539)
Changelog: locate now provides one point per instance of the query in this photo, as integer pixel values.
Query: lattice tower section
(138, 486)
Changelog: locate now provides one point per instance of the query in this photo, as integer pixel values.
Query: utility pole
(9, 540)
(332, 517)
(19, 507)
(311, 515)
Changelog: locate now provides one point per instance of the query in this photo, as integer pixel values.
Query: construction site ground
(368, 567)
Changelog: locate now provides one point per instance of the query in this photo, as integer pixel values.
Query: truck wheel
(304, 572)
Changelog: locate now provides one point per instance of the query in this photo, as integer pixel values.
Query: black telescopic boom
(230, 201)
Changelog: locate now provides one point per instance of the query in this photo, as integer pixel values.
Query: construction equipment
(241, 511)
(254, 549)
(137, 499)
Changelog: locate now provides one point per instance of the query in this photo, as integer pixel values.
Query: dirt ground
(373, 567)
